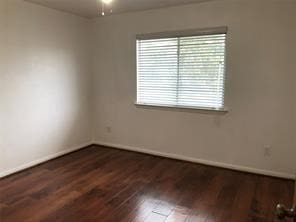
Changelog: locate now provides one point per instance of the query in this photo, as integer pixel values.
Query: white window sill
(182, 108)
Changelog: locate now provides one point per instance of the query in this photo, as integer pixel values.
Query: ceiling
(90, 9)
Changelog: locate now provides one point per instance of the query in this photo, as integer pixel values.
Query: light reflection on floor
(151, 209)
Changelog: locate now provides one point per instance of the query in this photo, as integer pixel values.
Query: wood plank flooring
(108, 185)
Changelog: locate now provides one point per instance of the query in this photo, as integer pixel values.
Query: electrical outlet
(267, 151)
(108, 129)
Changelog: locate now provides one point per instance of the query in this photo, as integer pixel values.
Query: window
(182, 70)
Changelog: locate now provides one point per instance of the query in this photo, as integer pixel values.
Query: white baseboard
(151, 152)
(43, 159)
(200, 161)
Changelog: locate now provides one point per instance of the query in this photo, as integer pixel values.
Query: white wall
(260, 83)
(45, 80)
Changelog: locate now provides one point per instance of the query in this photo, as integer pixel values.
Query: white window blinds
(181, 71)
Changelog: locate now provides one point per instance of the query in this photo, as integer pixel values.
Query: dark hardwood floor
(102, 184)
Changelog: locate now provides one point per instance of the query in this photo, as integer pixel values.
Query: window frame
(184, 33)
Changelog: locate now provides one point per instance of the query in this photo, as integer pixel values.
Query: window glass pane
(157, 71)
(201, 71)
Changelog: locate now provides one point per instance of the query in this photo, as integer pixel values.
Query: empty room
(147, 110)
